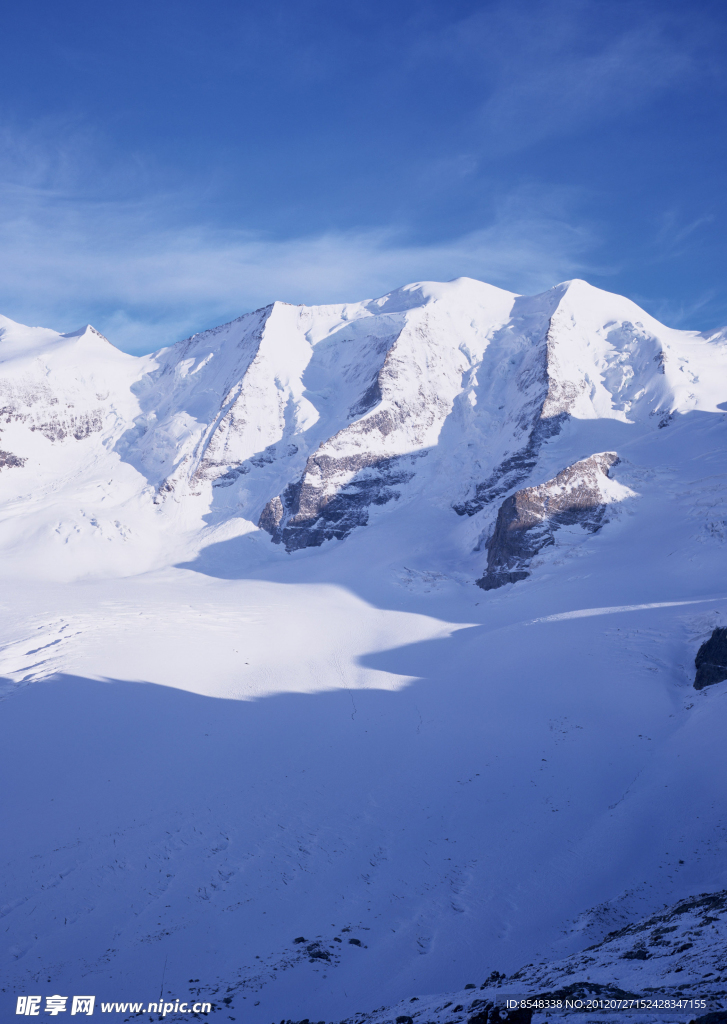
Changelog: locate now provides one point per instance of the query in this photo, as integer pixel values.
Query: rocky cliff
(528, 520)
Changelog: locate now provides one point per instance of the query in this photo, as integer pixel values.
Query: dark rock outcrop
(42, 411)
(10, 461)
(310, 511)
(527, 520)
(316, 952)
(711, 660)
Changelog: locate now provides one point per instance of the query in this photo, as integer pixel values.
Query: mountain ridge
(342, 390)
(333, 402)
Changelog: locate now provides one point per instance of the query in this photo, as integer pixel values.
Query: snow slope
(248, 668)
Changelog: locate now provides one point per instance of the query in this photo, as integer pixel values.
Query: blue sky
(168, 165)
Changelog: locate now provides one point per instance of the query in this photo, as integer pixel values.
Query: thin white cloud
(683, 314)
(551, 68)
(146, 280)
(674, 232)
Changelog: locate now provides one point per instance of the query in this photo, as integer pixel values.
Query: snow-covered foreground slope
(372, 622)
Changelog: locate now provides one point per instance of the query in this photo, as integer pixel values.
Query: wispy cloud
(547, 69)
(149, 271)
(669, 241)
(684, 315)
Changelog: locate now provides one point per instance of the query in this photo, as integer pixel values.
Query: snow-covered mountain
(305, 421)
(400, 600)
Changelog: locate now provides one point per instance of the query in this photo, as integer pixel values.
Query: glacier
(372, 621)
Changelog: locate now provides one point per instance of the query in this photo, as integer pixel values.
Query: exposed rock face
(545, 408)
(711, 660)
(43, 399)
(305, 515)
(396, 418)
(9, 461)
(40, 409)
(528, 519)
(622, 376)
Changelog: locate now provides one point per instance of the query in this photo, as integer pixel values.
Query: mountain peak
(88, 332)
(459, 289)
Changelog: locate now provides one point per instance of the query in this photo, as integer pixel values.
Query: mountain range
(371, 626)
